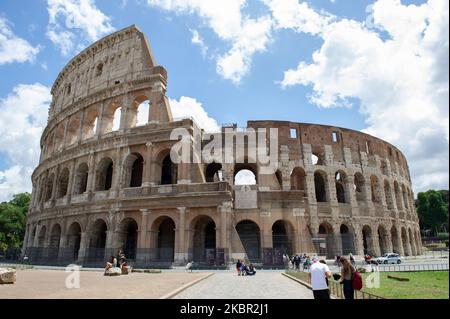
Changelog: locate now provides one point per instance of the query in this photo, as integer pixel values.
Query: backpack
(357, 281)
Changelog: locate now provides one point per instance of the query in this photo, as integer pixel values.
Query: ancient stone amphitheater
(106, 180)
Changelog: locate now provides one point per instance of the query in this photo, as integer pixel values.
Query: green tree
(432, 210)
(12, 221)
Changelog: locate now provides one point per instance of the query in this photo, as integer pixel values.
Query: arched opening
(213, 173)
(383, 240)
(340, 182)
(166, 240)
(104, 174)
(73, 241)
(282, 234)
(396, 245)
(405, 242)
(326, 242)
(73, 129)
(81, 178)
(142, 112)
(376, 190)
(97, 241)
(168, 171)
(388, 195)
(347, 240)
(89, 124)
(367, 240)
(245, 174)
(55, 238)
(136, 171)
(59, 137)
(279, 177)
(116, 119)
(249, 234)
(359, 187)
(320, 182)
(49, 187)
(128, 236)
(63, 183)
(204, 244)
(298, 180)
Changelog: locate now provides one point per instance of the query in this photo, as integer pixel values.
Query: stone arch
(213, 173)
(375, 189)
(104, 174)
(164, 229)
(49, 187)
(368, 242)
(347, 239)
(298, 180)
(73, 129)
(282, 239)
(398, 196)
(63, 183)
(89, 126)
(326, 243)
(383, 240)
(396, 244)
(55, 239)
(111, 118)
(81, 179)
(59, 137)
(341, 182)
(127, 237)
(388, 195)
(73, 241)
(321, 186)
(245, 174)
(204, 239)
(250, 236)
(167, 171)
(97, 241)
(133, 170)
(139, 112)
(360, 187)
(405, 241)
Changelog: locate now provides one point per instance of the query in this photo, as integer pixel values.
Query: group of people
(118, 262)
(350, 257)
(244, 270)
(320, 273)
(298, 261)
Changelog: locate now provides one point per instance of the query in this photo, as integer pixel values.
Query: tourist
(326, 279)
(238, 267)
(243, 268)
(352, 260)
(318, 273)
(251, 270)
(347, 274)
(111, 263)
(123, 264)
(189, 266)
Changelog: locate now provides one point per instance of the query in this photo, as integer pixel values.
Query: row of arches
(86, 124)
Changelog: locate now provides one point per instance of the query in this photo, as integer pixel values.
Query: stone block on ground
(7, 276)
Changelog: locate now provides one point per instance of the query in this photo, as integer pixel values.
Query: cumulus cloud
(24, 116)
(396, 65)
(14, 48)
(196, 39)
(68, 17)
(188, 107)
(247, 36)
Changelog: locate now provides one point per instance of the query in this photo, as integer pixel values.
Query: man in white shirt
(318, 273)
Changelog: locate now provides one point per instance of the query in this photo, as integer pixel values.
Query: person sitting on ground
(111, 263)
(189, 266)
(250, 270)
(243, 269)
(238, 267)
(124, 266)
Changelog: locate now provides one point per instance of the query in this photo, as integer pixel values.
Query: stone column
(91, 173)
(66, 128)
(98, 129)
(181, 254)
(359, 245)
(148, 178)
(71, 182)
(143, 240)
(83, 247)
(80, 132)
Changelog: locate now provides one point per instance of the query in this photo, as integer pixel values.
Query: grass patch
(421, 285)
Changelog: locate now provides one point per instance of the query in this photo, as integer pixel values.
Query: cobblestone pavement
(50, 284)
(264, 285)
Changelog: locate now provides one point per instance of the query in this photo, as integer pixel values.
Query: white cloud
(68, 17)
(400, 80)
(196, 39)
(188, 107)
(247, 36)
(24, 116)
(13, 48)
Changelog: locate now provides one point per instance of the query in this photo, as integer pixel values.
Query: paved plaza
(50, 284)
(264, 285)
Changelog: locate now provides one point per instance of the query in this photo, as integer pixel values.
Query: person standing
(317, 274)
(352, 260)
(347, 274)
(238, 267)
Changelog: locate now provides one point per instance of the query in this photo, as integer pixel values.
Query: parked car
(390, 258)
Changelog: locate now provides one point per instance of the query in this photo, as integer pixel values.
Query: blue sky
(373, 66)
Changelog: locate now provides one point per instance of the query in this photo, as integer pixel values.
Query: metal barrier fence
(415, 267)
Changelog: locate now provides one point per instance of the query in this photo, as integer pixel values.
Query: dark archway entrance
(97, 242)
(205, 240)
(73, 242)
(55, 238)
(281, 240)
(326, 243)
(347, 240)
(166, 240)
(128, 236)
(249, 234)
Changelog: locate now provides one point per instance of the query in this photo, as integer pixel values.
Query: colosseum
(106, 180)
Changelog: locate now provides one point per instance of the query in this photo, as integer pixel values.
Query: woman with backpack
(347, 276)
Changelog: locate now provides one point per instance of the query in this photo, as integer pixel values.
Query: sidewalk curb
(178, 290)
(304, 283)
